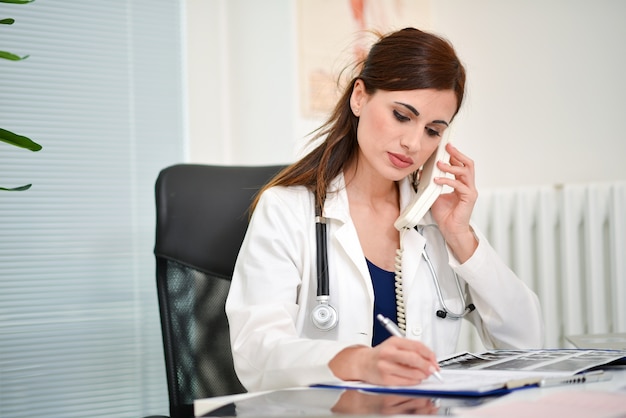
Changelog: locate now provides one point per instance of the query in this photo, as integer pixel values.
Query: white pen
(593, 376)
(395, 331)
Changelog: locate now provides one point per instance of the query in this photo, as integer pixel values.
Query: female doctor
(352, 187)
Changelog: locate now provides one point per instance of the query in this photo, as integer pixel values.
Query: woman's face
(399, 130)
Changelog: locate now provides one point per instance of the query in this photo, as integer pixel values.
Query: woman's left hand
(452, 211)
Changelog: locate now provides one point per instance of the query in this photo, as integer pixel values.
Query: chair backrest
(201, 219)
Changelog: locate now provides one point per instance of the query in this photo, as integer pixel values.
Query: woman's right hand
(395, 362)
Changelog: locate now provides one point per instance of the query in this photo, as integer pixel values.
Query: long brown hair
(408, 59)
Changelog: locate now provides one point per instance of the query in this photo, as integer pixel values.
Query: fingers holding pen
(411, 347)
(395, 362)
(400, 361)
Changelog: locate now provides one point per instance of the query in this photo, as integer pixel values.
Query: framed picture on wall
(334, 35)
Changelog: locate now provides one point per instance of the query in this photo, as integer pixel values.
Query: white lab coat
(273, 291)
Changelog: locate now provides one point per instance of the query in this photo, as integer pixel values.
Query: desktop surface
(325, 402)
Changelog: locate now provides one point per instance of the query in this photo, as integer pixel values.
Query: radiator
(568, 243)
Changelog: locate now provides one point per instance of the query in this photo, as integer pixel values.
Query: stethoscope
(444, 312)
(324, 316)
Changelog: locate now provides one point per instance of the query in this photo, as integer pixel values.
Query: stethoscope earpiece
(443, 313)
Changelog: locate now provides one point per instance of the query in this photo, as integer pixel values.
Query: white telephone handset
(427, 190)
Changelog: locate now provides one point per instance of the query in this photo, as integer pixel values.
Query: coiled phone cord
(400, 311)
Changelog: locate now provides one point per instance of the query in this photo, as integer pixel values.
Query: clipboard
(483, 390)
(499, 372)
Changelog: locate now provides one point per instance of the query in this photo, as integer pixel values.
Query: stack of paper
(502, 371)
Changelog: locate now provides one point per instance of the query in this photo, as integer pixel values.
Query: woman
(389, 120)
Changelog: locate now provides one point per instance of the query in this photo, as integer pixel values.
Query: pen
(396, 332)
(595, 376)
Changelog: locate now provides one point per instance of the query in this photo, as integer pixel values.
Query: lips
(399, 160)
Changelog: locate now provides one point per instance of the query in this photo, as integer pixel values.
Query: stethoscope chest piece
(324, 316)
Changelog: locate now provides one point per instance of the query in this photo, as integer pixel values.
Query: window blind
(102, 93)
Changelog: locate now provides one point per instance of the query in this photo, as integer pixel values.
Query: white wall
(546, 88)
(241, 81)
(544, 101)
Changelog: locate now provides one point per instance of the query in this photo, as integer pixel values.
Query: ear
(358, 97)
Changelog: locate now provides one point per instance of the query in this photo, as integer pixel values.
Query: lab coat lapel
(413, 242)
(337, 209)
(413, 245)
(349, 242)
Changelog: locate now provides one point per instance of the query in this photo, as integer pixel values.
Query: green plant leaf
(8, 136)
(17, 1)
(18, 140)
(16, 189)
(10, 56)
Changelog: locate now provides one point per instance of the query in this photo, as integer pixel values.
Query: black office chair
(201, 219)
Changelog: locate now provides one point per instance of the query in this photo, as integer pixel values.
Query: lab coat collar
(337, 208)
(336, 205)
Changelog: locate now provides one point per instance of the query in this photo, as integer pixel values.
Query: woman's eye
(432, 132)
(400, 116)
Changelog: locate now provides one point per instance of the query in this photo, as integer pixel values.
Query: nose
(411, 142)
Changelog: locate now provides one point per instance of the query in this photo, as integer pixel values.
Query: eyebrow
(408, 106)
(416, 113)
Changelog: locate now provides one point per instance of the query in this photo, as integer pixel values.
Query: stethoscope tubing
(325, 317)
(445, 312)
(323, 280)
(445, 308)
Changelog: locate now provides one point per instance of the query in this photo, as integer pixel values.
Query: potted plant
(5, 135)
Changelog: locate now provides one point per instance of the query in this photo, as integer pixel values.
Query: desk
(308, 402)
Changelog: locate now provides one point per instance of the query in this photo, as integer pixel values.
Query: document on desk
(498, 372)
